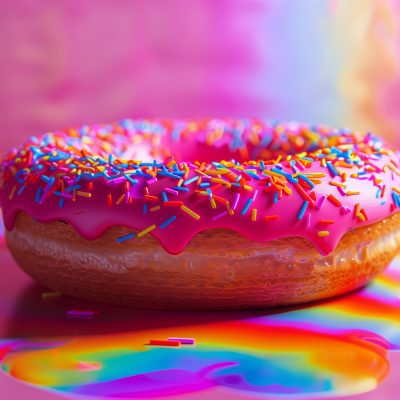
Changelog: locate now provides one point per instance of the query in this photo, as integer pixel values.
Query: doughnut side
(219, 268)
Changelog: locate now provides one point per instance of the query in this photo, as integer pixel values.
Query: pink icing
(92, 216)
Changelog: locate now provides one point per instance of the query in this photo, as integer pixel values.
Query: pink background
(72, 62)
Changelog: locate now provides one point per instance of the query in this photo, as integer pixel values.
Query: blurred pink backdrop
(71, 62)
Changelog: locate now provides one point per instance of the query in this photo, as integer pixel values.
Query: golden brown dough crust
(219, 268)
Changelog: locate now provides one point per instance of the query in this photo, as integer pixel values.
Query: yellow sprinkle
(155, 208)
(254, 214)
(396, 190)
(12, 193)
(323, 233)
(74, 197)
(323, 163)
(190, 212)
(357, 209)
(314, 175)
(180, 182)
(100, 168)
(84, 194)
(247, 187)
(51, 294)
(228, 206)
(199, 172)
(354, 175)
(220, 181)
(361, 217)
(278, 159)
(217, 172)
(45, 158)
(287, 190)
(147, 230)
(121, 198)
(213, 205)
(351, 193)
(337, 184)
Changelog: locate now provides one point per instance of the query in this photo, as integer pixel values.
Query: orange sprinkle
(155, 208)
(12, 192)
(254, 214)
(84, 194)
(326, 221)
(344, 177)
(337, 184)
(121, 198)
(271, 217)
(109, 200)
(126, 186)
(349, 193)
(74, 195)
(152, 198)
(173, 203)
(334, 200)
(62, 186)
(228, 206)
(396, 190)
(357, 209)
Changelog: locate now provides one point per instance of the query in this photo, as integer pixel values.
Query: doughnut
(202, 214)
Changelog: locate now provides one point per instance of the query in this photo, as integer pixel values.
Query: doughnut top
(174, 178)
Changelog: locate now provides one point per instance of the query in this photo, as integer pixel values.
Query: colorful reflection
(338, 347)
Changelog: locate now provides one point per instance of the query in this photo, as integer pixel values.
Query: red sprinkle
(173, 343)
(334, 200)
(271, 217)
(109, 200)
(305, 195)
(173, 203)
(152, 198)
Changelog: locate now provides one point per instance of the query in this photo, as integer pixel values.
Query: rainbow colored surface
(332, 348)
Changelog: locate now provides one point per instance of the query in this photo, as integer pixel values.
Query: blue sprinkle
(262, 165)
(38, 194)
(332, 168)
(235, 184)
(145, 209)
(45, 178)
(305, 179)
(269, 184)
(130, 236)
(378, 193)
(164, 196)
(72, 188)
(254, 175)
(246, 207)
(23, 171)
(203, 185)
(20, 190)
(133, 181)
(167, 222)
(303, 210)
(190, 180)
(276, 197)
(61, 205)
(383, 202)
(21, 181)
(181, 189)
(307, 158)
(238, 178)
(52, 168)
